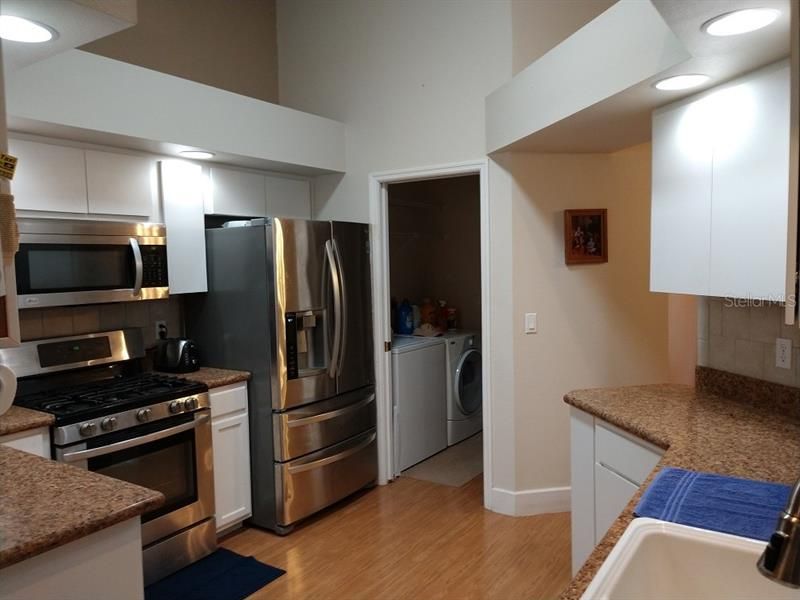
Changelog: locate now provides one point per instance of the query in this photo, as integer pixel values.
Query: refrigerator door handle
(343, 295)
(337, 309)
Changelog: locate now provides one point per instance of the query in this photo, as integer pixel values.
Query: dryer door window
(468, 382)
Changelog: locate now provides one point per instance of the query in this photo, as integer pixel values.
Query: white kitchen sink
(659, 560)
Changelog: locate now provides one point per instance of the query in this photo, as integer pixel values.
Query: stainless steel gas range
(114, 418)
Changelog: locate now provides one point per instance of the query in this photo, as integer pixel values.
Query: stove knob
(192, 403)
(87, 429)
(176, 406)
(144, 415)
(108, 424)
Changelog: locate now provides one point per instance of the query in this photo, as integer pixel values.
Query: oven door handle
(132, 443)
(137, 261)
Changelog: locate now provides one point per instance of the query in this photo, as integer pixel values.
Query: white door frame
(379, 224)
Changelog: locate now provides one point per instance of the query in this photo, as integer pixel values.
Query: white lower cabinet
(33, 441)
(608, 466)
(612, 493)
(230, 433)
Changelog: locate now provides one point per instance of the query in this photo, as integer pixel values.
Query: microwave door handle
(342, 303)
(137, 261)
(132, 443)
(337, 309)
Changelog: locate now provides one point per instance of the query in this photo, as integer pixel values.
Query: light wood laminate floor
(417, 540)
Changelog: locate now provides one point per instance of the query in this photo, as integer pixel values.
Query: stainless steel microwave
(66, 262)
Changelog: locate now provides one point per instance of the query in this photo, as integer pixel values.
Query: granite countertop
(18, 419)
(45, 504)
(213, 377)
(729, 425)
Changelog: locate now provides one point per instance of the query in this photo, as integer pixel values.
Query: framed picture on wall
(585, 236)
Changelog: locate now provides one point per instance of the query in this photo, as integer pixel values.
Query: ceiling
(77, 22)
(623, 120)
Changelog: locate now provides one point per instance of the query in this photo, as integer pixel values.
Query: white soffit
(622, 118)
(76, 23)
(626, 44)
(82, 96)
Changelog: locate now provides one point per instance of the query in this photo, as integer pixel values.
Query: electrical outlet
(783, 353)
(161, 330)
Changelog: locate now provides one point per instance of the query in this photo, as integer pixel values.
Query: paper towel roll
(8, 388)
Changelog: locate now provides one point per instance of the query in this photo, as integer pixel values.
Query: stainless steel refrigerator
(290, 301)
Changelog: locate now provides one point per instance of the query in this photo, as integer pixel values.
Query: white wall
(599, 325)
(407, 78)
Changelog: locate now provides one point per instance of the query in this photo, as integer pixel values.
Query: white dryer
(464, 386)
(420, 399)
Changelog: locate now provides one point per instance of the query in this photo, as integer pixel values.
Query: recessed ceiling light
(681, 82)
(740, 21)
(17, 29)
(202, 154)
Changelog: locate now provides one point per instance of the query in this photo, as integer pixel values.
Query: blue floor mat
(223, 575)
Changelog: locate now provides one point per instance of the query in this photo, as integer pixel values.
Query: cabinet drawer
(634, 460)
(612, 494)
(313, 482)
(228, 399)
(310, 428)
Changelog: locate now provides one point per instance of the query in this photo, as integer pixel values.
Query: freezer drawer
(311, 483)
(317, 426)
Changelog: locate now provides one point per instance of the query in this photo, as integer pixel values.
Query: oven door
(62, 270)
(172, 456)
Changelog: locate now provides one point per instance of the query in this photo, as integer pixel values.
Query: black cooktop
(98, 398)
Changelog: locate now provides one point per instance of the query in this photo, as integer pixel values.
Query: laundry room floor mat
(455, 466)
(223, 575)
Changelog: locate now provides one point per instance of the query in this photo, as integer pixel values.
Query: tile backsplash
(37, 323)
(741, 339)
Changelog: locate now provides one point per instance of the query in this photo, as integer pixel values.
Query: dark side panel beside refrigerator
(290, 301)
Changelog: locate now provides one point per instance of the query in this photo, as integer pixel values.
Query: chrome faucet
(781, 559)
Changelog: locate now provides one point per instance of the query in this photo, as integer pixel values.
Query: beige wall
(682, 338)
(539, 25)
(599, 325)
(434, 244)
(229, 44)
(735, 337)
(37, 323)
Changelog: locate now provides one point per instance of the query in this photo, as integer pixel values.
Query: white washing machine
(419, 391)
(464, 386)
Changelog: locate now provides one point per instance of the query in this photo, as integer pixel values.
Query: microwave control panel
(154, 266)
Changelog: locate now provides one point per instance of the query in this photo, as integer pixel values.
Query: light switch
(783, 353)
(530, 322)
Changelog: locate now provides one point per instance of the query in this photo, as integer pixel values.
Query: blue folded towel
(728, 504)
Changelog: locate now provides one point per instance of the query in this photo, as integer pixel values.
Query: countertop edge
(213, 377)
(18, 419)
(31, 527)
(42, 544)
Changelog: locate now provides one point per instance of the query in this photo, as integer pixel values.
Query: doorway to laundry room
(434, 255)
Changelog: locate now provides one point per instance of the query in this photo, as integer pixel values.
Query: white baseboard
(530, 502)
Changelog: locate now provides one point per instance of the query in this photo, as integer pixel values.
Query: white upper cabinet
(236, 193)
(720, 195)
(120, 184)
(288, 197)
(182, 202)
(681, 206)
(750, 204)
(49, 178)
